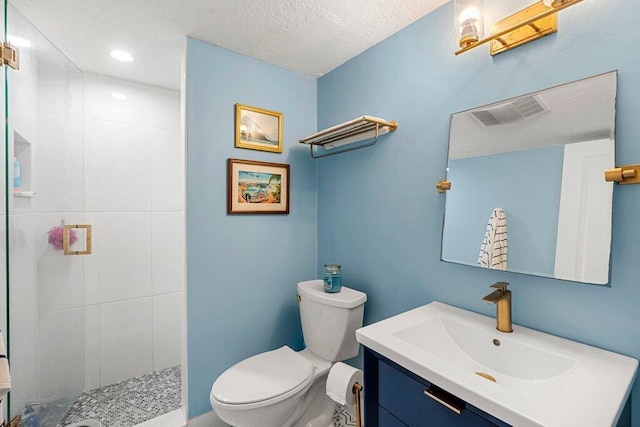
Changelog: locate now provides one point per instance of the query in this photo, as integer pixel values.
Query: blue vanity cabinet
(395, 397)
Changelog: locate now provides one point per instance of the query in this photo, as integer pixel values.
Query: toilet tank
(329, 321)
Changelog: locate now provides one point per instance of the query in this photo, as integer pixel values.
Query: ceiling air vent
(519, 109)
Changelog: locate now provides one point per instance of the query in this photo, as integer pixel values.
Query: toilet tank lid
(346, 298)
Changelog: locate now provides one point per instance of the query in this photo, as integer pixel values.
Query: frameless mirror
(527, 183)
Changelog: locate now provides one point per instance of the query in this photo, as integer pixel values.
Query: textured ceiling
(308, 36)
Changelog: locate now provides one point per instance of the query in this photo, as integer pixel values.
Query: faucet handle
(501, 285)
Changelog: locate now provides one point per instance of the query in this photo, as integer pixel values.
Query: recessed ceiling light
(19, 41)
(121, 55)
(118, 96)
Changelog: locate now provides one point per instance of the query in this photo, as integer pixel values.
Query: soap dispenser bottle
(16, 175)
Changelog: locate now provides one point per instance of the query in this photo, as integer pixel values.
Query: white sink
(525, 378)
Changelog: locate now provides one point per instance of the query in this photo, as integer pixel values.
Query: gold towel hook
(443, 186)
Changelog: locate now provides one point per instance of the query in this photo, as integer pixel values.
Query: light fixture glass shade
(468, 21)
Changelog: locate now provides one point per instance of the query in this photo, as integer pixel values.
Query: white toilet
(284, 388)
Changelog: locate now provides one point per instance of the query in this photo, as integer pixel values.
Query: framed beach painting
(257, 187)
(258, 129)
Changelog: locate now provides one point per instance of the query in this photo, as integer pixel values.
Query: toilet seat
(263, 379)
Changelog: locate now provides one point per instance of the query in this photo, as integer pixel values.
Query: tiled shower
(92, 150)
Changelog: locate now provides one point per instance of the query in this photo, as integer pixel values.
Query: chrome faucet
(501, 297)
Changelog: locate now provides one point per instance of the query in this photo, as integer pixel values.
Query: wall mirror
(533, 167)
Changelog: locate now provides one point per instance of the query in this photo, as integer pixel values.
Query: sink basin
(524, 378)
(524, 368)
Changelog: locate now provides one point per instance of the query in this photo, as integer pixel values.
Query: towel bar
(356, 130)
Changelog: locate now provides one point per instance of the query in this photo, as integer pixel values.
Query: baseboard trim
(209, 419)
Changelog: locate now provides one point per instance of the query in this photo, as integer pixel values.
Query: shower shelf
(356, 130)
(25, 194)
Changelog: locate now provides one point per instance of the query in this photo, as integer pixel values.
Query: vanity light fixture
(469, 28)
(524, 26)
(121, 55)
(119, 96)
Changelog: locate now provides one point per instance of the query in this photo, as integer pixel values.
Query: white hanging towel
(493, 252)
(5, 377)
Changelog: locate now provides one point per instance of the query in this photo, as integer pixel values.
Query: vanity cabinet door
(385, 419)
(405, 399)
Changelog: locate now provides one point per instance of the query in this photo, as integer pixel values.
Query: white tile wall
(23, 97)
(167, 170)
(120, 266)
(61, 353)
(125, 339)
(23, 295)
(102, 106)
(60, 278)
(167, 329)
(92, 347)
(134, 196)
(25, 370)
(168, 252)
(60, 89)
(57, 167)
(164, 111)
(117, 167)
(23, 258)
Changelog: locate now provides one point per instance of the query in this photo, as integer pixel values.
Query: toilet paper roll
(340, 383)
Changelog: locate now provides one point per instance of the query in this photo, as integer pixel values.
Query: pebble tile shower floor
(129, 402)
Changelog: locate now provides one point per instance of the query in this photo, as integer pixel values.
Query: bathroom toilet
(284, 388)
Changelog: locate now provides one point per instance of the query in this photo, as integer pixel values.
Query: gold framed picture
(257, 187)
(258, 129)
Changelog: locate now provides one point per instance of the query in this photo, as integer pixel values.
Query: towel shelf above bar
(356, 130)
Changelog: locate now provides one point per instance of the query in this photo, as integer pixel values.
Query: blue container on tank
(332, 278)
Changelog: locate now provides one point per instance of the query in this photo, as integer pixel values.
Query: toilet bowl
(284, 388)
(265, 390)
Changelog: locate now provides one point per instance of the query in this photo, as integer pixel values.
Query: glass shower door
(4, 294)
(44, 191)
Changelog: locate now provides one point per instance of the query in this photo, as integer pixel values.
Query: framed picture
(257, 187)
(258, 129)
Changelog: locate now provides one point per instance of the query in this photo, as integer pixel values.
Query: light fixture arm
(528, 21)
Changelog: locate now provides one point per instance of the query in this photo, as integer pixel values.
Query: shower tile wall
(134, 197)
(83, 322)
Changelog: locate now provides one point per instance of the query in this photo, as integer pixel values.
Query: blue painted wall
(387, 235)
(243, 269)
(532, 179)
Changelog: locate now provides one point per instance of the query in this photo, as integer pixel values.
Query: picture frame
(257, 187)
(258, 129)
